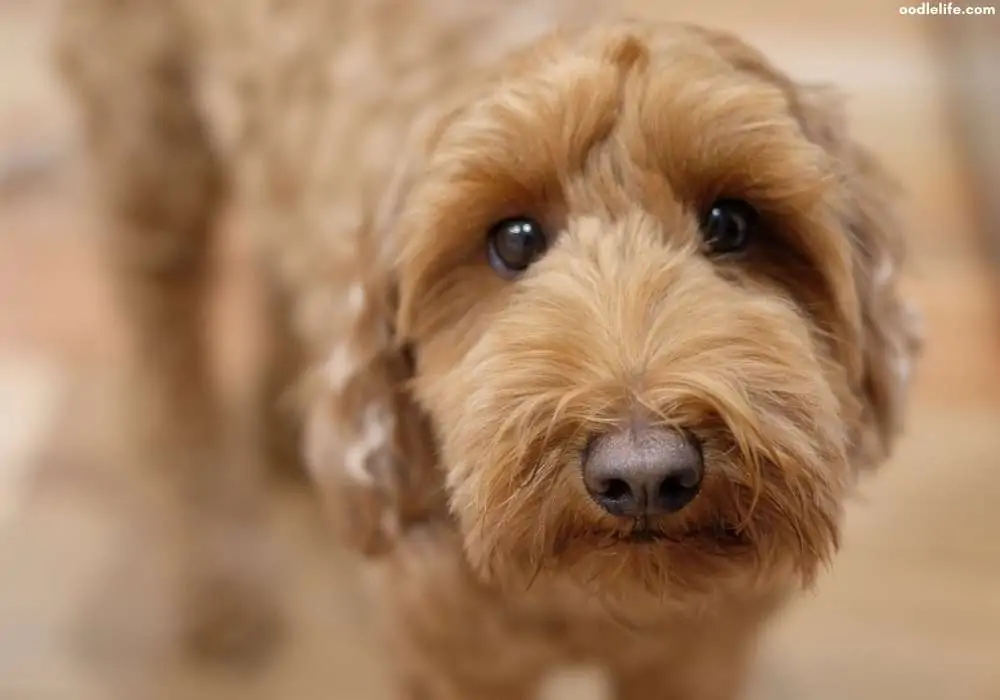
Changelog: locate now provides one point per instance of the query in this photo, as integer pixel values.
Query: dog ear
(368, 447)
(891, 337)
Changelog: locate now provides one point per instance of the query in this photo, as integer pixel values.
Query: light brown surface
(911, 609)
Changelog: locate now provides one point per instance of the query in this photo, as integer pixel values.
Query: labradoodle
(591, 323)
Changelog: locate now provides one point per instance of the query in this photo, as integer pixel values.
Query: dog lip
(722, 536)
(645, 535)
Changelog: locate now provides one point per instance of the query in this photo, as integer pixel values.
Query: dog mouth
(709, 536)
(712, 540)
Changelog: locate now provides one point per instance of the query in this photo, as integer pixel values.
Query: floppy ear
(890, 330)
(368, 447)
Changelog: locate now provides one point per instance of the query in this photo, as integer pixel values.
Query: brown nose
(644, 470)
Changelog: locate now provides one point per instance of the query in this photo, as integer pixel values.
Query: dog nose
(645, 470)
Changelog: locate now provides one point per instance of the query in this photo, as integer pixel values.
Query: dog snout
(643, 470)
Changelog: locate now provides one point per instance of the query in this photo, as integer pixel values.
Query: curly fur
(444, 407)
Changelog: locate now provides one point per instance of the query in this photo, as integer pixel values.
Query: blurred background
(911, 609)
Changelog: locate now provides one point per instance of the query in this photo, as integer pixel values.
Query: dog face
(648, 289)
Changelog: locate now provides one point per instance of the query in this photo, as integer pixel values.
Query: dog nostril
(682, 480)
(616, 490)
(614, 495)
(677, 490)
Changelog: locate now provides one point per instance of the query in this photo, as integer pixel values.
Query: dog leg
(128, 65)
(708, 672)
(279, 425)
(448, 638)
(652, 684)
(416, 688)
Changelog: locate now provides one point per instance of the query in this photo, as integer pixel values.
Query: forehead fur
(666, 118)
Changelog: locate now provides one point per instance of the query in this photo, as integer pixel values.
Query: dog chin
(625, 568)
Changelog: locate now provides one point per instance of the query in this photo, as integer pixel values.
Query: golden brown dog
(597, 320)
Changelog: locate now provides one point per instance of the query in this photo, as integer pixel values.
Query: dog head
(647, 288)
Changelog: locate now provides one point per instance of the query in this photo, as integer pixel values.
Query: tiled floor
(911, 610)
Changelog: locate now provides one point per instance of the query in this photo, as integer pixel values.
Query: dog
(592, 323)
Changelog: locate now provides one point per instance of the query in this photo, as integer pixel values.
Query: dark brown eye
(514, 244)
(728, 226)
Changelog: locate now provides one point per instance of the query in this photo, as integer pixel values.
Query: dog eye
(728, 226)
(514, 244)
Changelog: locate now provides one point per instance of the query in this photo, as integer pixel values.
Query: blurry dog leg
(128, 66)
(703, 672)
(279, 424)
